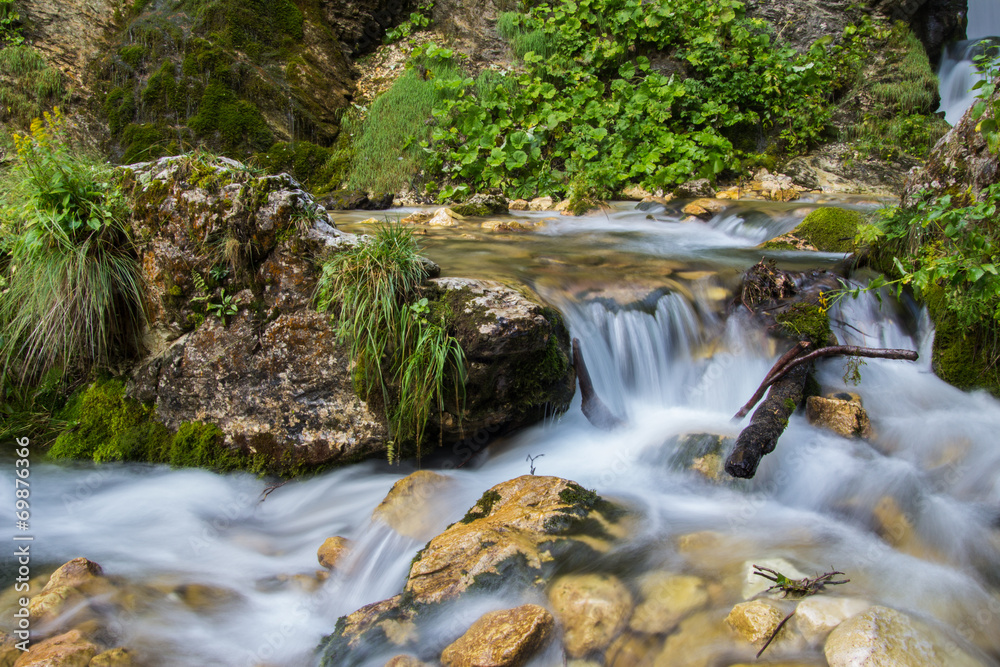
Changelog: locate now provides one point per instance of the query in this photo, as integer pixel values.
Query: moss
(197, 444)
(777, 245)
(483, 507)
(144, 142)
(806, 321)
(236, 123)
(960, 355)
(133, 55)
(319, 169)
(830, 229)
(512, 573)
(105, 426)
(790, 404)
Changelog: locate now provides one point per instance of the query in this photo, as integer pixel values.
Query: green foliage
(37, 412)
(416, 21)
(401, 356)
(830, 229)
(237, 123)
(319, 169)
(587, 107)
(10, 24)
(74, 297)
(806, 321)
(29, 85)
(386, 149)
(987, 109)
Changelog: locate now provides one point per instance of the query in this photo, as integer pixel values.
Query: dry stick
(593, 407)
(775, 633)
(831, 351)
(271, 488)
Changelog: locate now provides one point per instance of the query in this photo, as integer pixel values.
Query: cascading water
(221, 577)
(957, 72)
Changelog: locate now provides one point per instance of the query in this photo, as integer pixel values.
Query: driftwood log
(594, 409)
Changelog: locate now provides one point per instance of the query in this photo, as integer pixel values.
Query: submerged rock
(816, 616)
(505, 638)
(666, 599)
(70, 649)
(414, 504)
(841, 413)
(332, 551)
(592, 609)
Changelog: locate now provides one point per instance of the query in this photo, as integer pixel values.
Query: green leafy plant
(416, 21)
(987, 110)
(10, 24)
(402, 356)
(75, 294)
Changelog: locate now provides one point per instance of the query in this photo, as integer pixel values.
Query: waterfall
(957, 73)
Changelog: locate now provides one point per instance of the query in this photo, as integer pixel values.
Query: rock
(817, 615)
(417, 218)
(347, 200)
(728, 193)
(512, 531)
(519, 205)
(57, 607)
(699, 641)
(70, 649)
(442, 218)
(700, 452)
(406, 661)
(631, 650)
(506, 638)
(333, 550)
(635, 193)
(666, 599)
(829, 229)
(369, 221)
(836, 168)
(81, 574)
(518, 358)
(541, 204)
(9, 652)
(704, 208)
(481, 205)
(415, 504)
(504, 226)
(756, 620)
(896, 527)
(650, 203)
(116, 657)
(884, 636)
(754, 584)
(845, 417)
(592, 610)
(204, 597)
(694, 189)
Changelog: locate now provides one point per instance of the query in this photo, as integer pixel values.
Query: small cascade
(957, 73)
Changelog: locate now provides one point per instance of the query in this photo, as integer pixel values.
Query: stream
(649, 298)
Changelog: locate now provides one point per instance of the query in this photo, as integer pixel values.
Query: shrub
(74, 297)
(401, 357)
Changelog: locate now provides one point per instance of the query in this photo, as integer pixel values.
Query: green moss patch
(483, 507)
(830, 229)
(806, 321)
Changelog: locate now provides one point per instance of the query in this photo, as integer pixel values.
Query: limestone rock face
(414, 504)
(843, 416)
(68, 33)
(883, 636)
(517, 353)
(505, 638)
(592, 609)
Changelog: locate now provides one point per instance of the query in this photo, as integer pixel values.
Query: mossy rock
(806, 321)
(960, 356)
(830, 229)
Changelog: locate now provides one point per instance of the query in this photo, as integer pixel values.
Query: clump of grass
(29, 85)
(401, 356)
(522, 40)
(74, 296)
(386, 150)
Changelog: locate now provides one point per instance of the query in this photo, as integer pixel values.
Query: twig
(780, 370)
(268, 490)
(775, 633)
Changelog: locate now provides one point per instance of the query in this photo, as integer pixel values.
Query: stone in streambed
(116, 657)
(632, 650)
(70, 649)
(816, 616)
(414, 505)
(332, 551)
(505, 638)
(757, 620)
(592, 609)
(666, 599)
(406, 661)
(841, 413)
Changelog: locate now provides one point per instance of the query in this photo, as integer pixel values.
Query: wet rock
(704, 209)
(57, 607)
(373, 628)
(541, 204)
(699, 641)
(592, 610)
(504, 226)
(666, 598)
(514, 529)
(756, 620)
(116, 657)
(843, 416)
(414, 505)
(700, 452)
(895, 526)
(651, 203)
(81, 574)
(694, 189)
(203, 597)
(406, 661)
(332, 551)
(506, 638)
(816, 616)
(442, 218)
(70, 649)
(884, 636)
(635, 193)
(482, 205)
(836, 168)
(517, 351)
(417, 218)
(632, 650)
(519, 205)
(774, 187)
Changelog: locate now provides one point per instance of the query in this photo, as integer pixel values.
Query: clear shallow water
(649, 301)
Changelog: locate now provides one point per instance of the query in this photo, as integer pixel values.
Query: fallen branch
(775, 633)
(594, 409)
(791, 359)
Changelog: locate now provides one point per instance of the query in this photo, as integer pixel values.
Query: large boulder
(505, 638)
(519, 534)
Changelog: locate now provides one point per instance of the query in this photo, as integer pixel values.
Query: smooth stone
(816, 616)
(412, 506)
(332, 551)
(666, 599)
(505, 638)
(592, 609)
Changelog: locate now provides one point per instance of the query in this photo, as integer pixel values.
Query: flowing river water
(910, 516)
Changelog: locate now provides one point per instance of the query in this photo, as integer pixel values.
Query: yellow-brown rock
(519, 205)
(70, 649)
(840, 413)
(504, 226)
(442, 217)
(395, 625)
(58, 605)
(592, 610)
(84, 575)
(631, 650)
(699, 641)
(704, 208)
(510, 532)
(417, 218)
(203, 597)
(505, 638)
(116, 657)
(406, 661)
(886, 637)
(756, 620)
(332, 551)
(413, 505)
(666, 599)
(9, 652)
(541, 204)
(896, 528)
